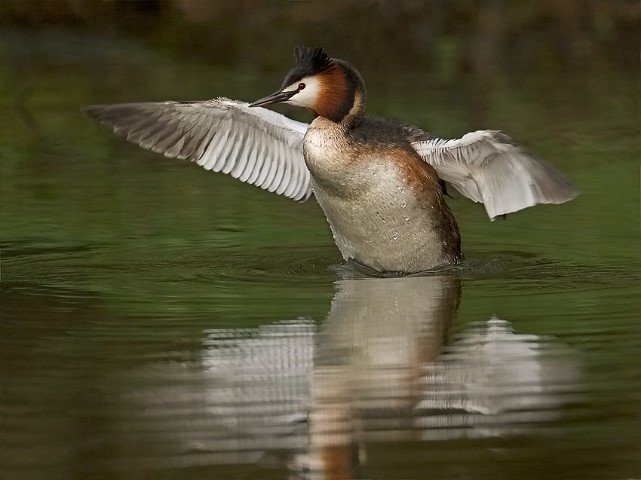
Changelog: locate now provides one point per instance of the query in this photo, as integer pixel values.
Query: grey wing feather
(255, 145)
(487, 167)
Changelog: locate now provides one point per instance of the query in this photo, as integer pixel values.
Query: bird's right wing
(255, 145)
(486, 166)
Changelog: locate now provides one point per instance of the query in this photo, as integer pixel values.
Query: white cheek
(307, 96)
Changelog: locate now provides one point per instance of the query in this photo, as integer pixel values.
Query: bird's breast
(383, 204)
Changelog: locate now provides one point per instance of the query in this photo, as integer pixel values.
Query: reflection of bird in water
(375, 370)
(488, 370)
(379, 182)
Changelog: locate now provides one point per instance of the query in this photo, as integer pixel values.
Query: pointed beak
(274, 98)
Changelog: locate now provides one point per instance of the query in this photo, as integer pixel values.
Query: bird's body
(379, 182)
(384, 204)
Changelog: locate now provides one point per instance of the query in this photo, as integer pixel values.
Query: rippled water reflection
(377, 370)
(399, 377)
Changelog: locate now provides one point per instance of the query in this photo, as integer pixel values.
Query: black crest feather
(309, 61)
(314, 59)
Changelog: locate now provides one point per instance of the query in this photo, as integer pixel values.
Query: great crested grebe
(381, 183)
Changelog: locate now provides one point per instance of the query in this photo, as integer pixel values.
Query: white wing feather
(255, 145)
(487, 167)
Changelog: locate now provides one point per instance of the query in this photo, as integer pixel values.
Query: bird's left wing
(487, 167)
(255, 145)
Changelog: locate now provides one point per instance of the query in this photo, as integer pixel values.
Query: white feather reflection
(502, 382)
(260, 378)
(378, 369)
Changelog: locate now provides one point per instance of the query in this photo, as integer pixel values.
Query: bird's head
(329, 87)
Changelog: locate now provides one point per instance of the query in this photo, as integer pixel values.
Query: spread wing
(255, 145)
(486, 166)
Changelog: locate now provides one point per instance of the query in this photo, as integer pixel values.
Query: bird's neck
(343, 96)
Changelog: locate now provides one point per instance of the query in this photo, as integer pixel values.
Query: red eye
(301, 86)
